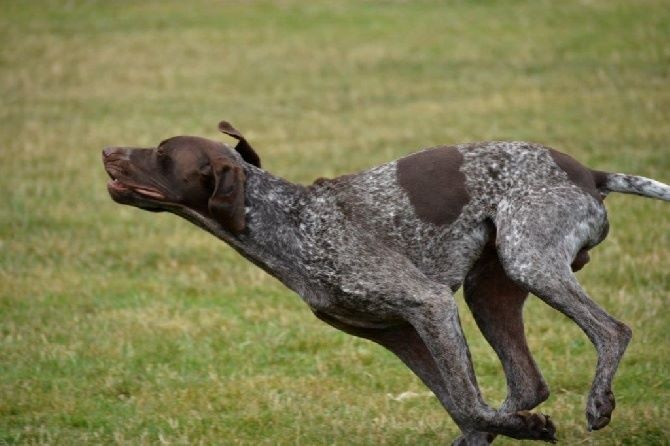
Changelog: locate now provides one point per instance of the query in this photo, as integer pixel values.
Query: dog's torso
(356, 244)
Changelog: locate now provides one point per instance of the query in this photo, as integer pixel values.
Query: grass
(122, 327)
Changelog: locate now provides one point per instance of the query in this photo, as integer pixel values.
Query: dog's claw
(540, 425)
(549, 435)
(599, 410)
(598, 424)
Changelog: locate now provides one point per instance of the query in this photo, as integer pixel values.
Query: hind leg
(497, 306)
(537, 242)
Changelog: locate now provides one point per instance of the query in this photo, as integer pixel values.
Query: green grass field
(122, 327)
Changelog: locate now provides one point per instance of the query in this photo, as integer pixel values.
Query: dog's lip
(148, 192)
(119, 186)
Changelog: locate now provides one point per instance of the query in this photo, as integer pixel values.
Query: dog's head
(184, 173)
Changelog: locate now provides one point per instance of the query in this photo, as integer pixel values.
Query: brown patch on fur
(434, 184)
(581, 176)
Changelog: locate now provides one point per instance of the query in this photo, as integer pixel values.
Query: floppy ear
(243, 147)
(227, 201)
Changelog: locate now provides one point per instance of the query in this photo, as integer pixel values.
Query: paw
(599, 409)
(537, 426)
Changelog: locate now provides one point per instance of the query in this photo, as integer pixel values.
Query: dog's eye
(162, 157)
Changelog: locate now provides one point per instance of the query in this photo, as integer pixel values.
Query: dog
(379, 254)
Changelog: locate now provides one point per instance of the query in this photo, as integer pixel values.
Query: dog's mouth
(125, 191)
(120, 187)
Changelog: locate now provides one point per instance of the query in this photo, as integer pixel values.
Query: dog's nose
(117, 152)
(107, 151)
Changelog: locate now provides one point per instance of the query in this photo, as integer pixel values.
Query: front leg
(405, 343)
(437, 323)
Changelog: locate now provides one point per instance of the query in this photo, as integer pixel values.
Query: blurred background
(120, 326)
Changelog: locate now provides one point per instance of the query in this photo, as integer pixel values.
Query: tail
(631, 184)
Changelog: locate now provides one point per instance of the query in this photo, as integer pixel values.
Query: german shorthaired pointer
(378, 254)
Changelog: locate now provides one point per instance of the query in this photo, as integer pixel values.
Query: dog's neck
(271, 238)
(273, 207)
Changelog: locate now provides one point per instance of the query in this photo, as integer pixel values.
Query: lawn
(122, 327)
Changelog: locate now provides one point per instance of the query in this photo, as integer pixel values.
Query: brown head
(184, 173)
